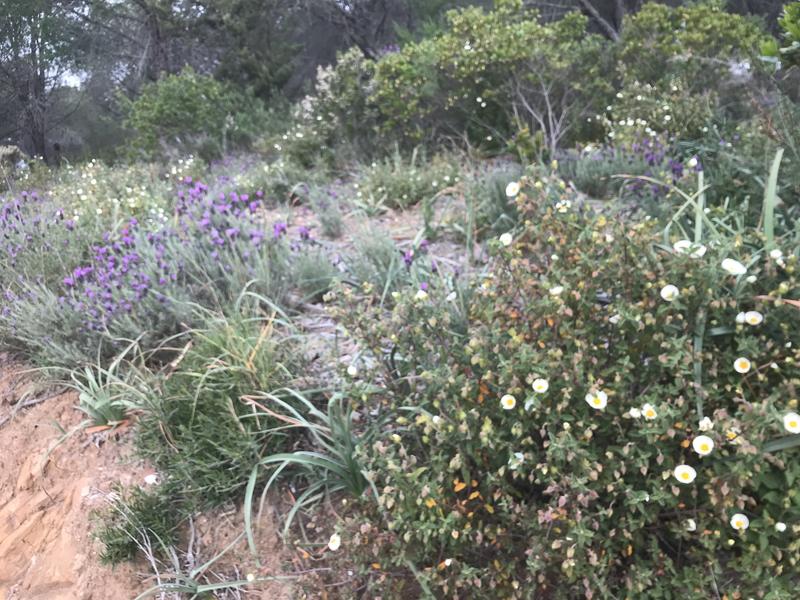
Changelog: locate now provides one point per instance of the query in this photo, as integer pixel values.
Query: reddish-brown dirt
(47, 493)
(49, 489)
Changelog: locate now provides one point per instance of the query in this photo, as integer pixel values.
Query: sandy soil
(47, 492)
(49, 488)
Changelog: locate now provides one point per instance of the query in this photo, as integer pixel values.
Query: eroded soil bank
(50, 486)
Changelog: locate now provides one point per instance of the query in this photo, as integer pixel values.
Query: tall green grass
(197, 430)
(329, 462)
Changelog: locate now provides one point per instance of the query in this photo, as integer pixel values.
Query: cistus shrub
(667, 108)
(617, 417)
(95, 191)
(337, 117)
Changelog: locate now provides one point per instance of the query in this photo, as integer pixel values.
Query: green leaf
(784, 443)
(721, 330)
(771, 199)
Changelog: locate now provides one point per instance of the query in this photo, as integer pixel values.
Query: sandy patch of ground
(50, 487)
(47, 493)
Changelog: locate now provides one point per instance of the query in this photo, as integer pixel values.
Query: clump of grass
(478, 207)
(107, 394)
(314, 273)
(198, 430)
(135, 518)
(328, 464)
(325, 203)
(494, 212)
(377, 262)
(379, 267)
(400, 182)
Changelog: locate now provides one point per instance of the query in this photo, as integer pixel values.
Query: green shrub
(379, 268)
(490, 74)
(336, 117)
(327, 208)
(282, 181)
(313, 272)
(479, 208)
(787, 52)
(137, 520)
(192, 113)
(495, 211)
(700, 43)
(377, 263)
(533, 453)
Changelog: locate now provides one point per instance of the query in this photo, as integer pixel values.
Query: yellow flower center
(685, 475)
(738, 524)
(792, 424)
(705, 448)
(650, 413)
(596, 401)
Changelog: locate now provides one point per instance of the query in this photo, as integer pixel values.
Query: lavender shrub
(144, 281)
(593, 169)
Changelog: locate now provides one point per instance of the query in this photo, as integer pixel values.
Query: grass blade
(771, 200)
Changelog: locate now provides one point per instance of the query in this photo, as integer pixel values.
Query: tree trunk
(157, 56)
(31, 92)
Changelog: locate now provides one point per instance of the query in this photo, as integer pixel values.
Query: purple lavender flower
(408, 257)
(279, 229)
(256, 237)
